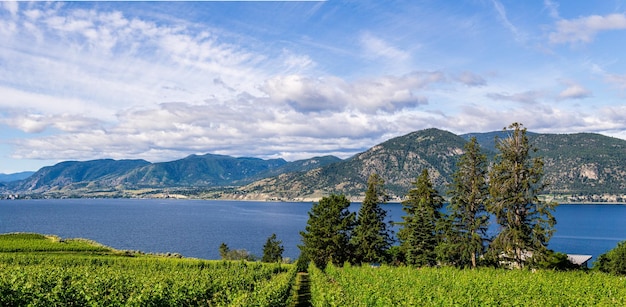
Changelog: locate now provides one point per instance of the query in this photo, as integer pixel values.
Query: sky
(294, 80)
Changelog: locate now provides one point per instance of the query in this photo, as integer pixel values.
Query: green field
(38, 270)
(44, 271)
(406, 286)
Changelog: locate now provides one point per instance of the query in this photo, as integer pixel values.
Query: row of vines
(32, 279)
(406, 286)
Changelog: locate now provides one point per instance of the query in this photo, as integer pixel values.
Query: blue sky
(293, 80)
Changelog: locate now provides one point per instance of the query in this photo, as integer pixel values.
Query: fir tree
(514, 184)
(418, 234)
(371, 237)
(327, 234)
(272, 250)
(224, 251)
(468, 219)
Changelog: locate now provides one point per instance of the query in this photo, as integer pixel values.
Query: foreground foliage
(613, 261)
(326, 238)
(82, 278)
(406, 286)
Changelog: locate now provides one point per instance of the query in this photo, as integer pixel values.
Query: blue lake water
(195, 228)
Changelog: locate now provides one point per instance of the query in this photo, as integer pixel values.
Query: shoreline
(298, 200)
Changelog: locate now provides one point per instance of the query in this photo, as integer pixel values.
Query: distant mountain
(580, 163)
(398, 161)
(583, 163)
(15, 176)
(74, 178)
(74, 174)
(194, 170)
(578, 167)
(299, 166)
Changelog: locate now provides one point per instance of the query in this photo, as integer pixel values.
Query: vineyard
(41, 271)
(38, 270)
(405, 286)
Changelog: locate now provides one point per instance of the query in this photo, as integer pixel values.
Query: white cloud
(553, 8)
(388, 94)
(471, 79)
(619, 80)
(296, 63)
(36, 123)
(376, 47)
(574, 91)
(502, 15)
(87, 84)
(528, 97)
(11, 6)
(584, 29)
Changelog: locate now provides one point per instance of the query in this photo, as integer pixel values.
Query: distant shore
(262, 198)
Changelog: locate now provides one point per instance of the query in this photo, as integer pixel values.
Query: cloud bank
(82, 81)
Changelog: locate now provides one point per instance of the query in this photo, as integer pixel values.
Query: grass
(32, 242)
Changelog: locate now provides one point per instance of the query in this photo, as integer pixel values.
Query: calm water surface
(195, 228)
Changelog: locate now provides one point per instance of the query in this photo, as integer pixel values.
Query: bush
(303, 263)
(556, 261)
(613, 261)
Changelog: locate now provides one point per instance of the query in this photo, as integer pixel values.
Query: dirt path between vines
(304, 290)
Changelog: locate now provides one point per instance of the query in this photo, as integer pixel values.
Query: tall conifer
(468, 219)
(327, 234)
(371, 237)
(418, 234)
(273, 250)
(515, 182)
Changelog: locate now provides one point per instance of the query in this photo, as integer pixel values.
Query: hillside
(15, 176)
(111, 178)
(579, 167)
(398, 161)
(75, 174)
(583, 163)
(584, 166)
(194, 170)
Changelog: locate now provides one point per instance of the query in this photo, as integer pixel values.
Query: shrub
(613, 261)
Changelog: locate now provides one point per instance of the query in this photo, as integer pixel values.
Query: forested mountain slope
(579, 167)
(398, 161)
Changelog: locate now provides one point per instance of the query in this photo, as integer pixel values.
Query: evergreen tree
(418, 234)
(371, 237)
(468, 219)
(514, 184)
(224, 251)
(327, 234)
(272, 250)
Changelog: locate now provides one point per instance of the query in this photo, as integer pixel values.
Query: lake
(196, 228)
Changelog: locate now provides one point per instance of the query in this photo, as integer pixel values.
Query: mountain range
(15, 176)
(578, 167)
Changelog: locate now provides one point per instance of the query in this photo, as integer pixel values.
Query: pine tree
(468, 219)
(327, 234)
(371, 237)
(514, 184)
(272, 250)
(224, 251)
(418, 234)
